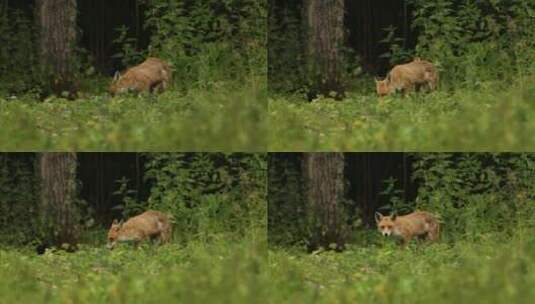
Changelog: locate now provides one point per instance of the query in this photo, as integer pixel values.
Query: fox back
(152, 75)
(409, 76)
(150, 224)
(418, 223)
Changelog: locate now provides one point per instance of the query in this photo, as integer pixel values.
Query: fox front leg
(408, 89)
(432, 235)
(164, 237)
(405, 242)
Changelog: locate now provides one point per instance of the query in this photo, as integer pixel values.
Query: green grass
(217, 272)
(227, 116)
(492, 269)
(488, 268)
(494, 117)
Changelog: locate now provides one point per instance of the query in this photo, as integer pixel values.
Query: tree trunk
(324, 187)
(325, 31)
(58, 193)
(57, 21)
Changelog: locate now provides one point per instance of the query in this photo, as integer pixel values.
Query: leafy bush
(287, 220)
(18, 208)
(18, 58)
(473, 42)
(473, 194)
(286, 65)
(209, 41)
(477, 193)
(209, 193)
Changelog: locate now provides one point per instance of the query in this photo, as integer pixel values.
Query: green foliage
(18, 197)
(473, 194)
(494, 269)
(476, 41)
(209, 193)
(217, 49)
(18, 56)
(287, 220)
(477, 193)
(209, 41)
(229, 117)
(219, 272)
(397, 54)
(130, 206)
(129, 54)
(494, 117)
(394, 196)
(286, 65)
(485, 54)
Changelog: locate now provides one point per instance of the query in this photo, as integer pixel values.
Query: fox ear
(378, 216)
(394, 217)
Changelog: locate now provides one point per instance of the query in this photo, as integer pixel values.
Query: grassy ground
(218, 272)
(228, 116)
(491, 269)
(494, 117)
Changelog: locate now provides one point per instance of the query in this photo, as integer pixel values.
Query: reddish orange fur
(418, 223)
(407, 77)
(150, 224)
(152, 75)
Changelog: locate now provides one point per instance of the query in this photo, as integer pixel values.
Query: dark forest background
(205, 40)
(473, 193)
(469, 41)
(208, 194)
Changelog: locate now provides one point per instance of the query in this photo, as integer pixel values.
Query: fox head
(121, 84)
(113, 233)
(382, 87)
(385, 224)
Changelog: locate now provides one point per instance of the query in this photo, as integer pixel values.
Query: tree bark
(57, 21)
(58, 194)
(324, 187)
(325, 31)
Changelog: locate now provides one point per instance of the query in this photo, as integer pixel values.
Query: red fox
(150, 224)
(418, 223)
(152, 75)
(407, 77)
